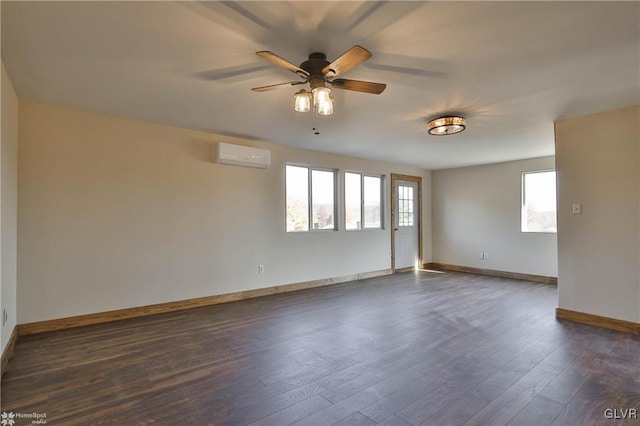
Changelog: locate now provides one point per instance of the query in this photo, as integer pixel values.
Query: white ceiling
(511, 68)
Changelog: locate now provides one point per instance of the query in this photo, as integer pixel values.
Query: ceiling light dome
(447, 125)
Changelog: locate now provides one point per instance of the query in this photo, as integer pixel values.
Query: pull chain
(315, 115)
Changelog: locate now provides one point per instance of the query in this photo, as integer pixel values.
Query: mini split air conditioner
(239, 155)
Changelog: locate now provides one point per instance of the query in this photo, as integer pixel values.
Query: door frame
(395, 177)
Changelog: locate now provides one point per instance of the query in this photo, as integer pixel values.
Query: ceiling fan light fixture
(302, 101)
(325, 108)
(447, 125)
(321, 95)
(317, 71)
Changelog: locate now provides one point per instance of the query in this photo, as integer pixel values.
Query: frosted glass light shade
(321, 95)
(325, 108)
(302, 101)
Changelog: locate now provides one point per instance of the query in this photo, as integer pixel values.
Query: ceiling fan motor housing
(314, 65)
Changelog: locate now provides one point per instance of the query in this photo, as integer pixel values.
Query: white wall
(116, 213)
(8, 206)
(478, 209)
(598, 165)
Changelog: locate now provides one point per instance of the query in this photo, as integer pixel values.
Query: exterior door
(406, 224)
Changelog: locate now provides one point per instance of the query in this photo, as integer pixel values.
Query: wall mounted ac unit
(239, 155)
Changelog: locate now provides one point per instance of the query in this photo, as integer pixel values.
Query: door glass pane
(297, 193)
(372, 203)
(405, 205)
(322, 199)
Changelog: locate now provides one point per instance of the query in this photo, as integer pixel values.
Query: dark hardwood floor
(410, 349)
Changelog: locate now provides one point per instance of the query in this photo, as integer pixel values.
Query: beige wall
(116, 213)
(8, 206)
(598, 165)
(478, 209)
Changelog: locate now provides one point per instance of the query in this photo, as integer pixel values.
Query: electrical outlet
(260, 269)
(480, 255)
(486, 255)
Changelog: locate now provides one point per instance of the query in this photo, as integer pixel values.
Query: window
(372, 202)
(405, 205)
(323, 199)
(539, 201)
(362, 201)
(310, 195)
(297, 199)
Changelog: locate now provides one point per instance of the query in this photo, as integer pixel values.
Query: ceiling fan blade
(358, 86)
(229, 73)
(277, 86)
(349, 59)
(282, 63)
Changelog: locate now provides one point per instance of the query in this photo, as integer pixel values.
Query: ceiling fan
(317, 71)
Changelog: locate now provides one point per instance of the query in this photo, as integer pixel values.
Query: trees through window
(310, 195)
(363, 201)
(539, 201)
(311, 199)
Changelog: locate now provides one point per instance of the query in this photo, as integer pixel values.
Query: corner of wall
(8, 210)
(599, 249)
(427, 217)
(477, 210)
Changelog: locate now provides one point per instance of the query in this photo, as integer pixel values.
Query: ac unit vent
(240, 155)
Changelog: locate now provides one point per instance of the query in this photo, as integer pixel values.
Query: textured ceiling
(511, 68)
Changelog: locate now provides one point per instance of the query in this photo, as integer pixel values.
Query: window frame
(363, 227)
(523, 200)
(310, 170)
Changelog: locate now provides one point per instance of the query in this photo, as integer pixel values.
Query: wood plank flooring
(410, 349)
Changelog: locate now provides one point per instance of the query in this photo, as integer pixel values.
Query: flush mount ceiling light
(448, 125)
